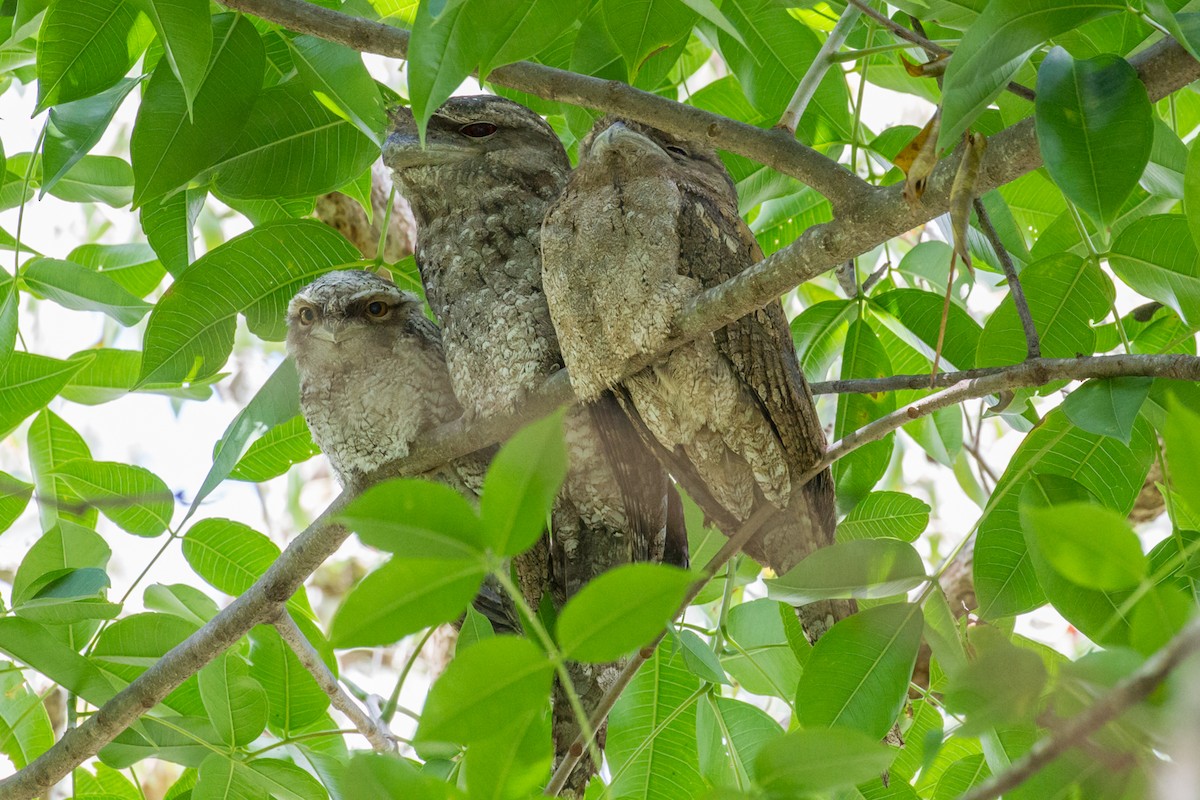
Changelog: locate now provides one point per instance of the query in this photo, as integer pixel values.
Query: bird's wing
(646, 490)
(715, 247)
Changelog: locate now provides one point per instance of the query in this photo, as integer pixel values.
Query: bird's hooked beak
(619, 140)
(334, 334)
(402, 148)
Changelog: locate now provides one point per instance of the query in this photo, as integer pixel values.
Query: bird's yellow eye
(307, 316)
(378, 309)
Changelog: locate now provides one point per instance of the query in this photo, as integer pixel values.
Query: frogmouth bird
(479, 188)
(646, 222)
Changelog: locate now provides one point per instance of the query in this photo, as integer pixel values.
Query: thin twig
(1132, 690)
(375, 732)
(816, 70)
(1033, 346)
(1052, 369)
(934, 49)
(731, 548)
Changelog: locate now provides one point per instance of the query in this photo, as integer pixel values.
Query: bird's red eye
(307, 316)
(478, 130)
(378, 309)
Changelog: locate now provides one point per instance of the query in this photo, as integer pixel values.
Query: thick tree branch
(1134, 689)
(775, 148)
(374, 730)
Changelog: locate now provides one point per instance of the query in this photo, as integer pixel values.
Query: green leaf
(67, 596)
(294, 699)
(416, 519)
(29, 383)
(858, 673)
(869, 568)
(1088, 544)
(107, 782)
(224, 778)
(375, 775)
(235, 703)
(620, 611)
(292, 146)
(514, 765)
(641, 27)
(863, 357)
(170, 146)
(709, 11)
(190, 332)
(651, 747)
(33, 645)
(85, 48)
(819, 333)
(183, 601)
(521, 484)
(771, 58)
(25, 730)
(276, 401)
(484, 689)
(1094, 129)
(815, 760)
(402, 597)
(275, 452)
(1157, 257)
(1109, 406)
(1158, 616)
(1182, 437)
(63, 547)
(14, 497)
(74, 128)
(1064, 292)
(9, 301)
(880, 515)
(340, 80)
(168, 223)
(764, 662)
(1005, 580)
(995, 47)
(450, 39)
(1001, 685)
(133, 267)
(79, 288)
(942, 632)
(134, 498)
(185, 33)
(921, 313)
(96, 179)
(699, 657)
(730, 735)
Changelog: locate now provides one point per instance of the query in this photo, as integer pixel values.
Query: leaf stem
(389, 708)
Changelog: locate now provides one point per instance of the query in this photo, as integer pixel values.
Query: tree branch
(1134, 689)
(1033, 346)
(932, 48)
(1181, 367)
(774, 148)
(816, 70)
(1036, 372)
(375, 732)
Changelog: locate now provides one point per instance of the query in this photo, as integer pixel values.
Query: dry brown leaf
(919, 157)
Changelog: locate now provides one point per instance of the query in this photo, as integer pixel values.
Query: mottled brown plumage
(648, 221)
(373, 378)
(479, 190)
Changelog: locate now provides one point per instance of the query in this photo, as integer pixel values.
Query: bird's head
(471, 142)
(345, 312)
(639, 150)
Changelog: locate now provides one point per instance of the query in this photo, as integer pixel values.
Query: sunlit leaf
(521, 484)
(859, 568)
